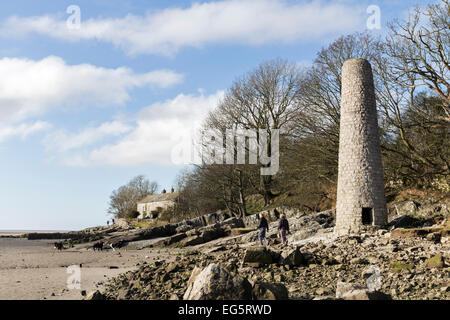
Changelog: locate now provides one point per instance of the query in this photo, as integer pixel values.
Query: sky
(95, 92)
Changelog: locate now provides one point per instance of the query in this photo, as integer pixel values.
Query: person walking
(283, 227)
(263, 227)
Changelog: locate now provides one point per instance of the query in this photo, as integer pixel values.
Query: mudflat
(34, 270)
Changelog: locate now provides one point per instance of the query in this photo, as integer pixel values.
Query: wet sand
(34, 270)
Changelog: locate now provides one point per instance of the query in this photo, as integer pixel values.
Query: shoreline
(34, 270)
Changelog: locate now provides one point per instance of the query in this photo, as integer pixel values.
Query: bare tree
(419, 48)
(265, 98)
(123, 201)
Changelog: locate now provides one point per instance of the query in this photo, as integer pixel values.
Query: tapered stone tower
(360, 190)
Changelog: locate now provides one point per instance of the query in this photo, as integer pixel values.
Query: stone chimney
(360, 189)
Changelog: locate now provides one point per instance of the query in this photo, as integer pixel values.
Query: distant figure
(113, 221)
(107, 223)
(59, 246)
(283, 227)
(98, 246)
(263, 227)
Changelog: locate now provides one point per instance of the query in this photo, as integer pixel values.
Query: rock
(192, 232)
(323, 291)
(194, 275)
(212, 234)
(324, 298)
(83, 293)
(359, 260)
(292, 257)
(175, 238)
(409, 233)
(191, 241)
(405, 207)
(216, 283)
(269, 291)
(434, 237)
(96, 295)
(350, 291)
(172, 267)
(279, 278)
(170, 240)
(366, 295)
(258, 255)
(344, 287)
(435, 262)
(239, 231)
(174, 296)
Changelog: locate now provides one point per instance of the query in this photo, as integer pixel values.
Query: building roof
(160, 197)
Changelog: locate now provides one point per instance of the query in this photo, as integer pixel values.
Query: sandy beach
(34, 270)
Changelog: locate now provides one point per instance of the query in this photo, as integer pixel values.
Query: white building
(153, 204)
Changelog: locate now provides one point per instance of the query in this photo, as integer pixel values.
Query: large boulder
(269, 291)
(405, 221)
(259, 255)
(216, 283)
(292, 257)
(405, 207)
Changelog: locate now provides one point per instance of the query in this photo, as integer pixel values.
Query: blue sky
(84, 110)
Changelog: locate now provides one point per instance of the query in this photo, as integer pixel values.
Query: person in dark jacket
(283, 227)
(263, 227)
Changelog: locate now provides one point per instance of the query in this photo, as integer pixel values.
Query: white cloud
(62, 141)
(158, 129)
(29, 88)
(231, 21)
(23, 130)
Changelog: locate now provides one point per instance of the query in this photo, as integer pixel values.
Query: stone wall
(360, 177)
(152, 206)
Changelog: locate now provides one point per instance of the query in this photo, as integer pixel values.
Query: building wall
(360, 177)
(144, 209)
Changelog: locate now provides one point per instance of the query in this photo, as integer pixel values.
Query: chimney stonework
(360, 190)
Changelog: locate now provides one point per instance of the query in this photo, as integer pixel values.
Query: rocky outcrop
(375, 263)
